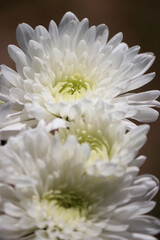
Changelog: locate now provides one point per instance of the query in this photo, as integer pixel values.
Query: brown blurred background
(139, 20)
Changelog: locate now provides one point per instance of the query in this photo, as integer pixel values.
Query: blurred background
(138, 20)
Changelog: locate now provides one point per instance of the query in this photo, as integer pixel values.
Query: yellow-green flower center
(94, 142)
(71, 87)
(62, 208)
(100, 147)
(100, 142)
(66, 200)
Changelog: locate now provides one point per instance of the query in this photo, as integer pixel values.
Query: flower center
(95, 143)
(100, 143)
(66, 200)
(71, 88)
(62, 208)
(100, 147)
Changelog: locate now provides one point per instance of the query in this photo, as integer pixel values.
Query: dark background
(139, 20)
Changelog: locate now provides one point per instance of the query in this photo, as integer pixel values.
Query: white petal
(53, 30)
(13, 210)
(24, 33)
(146, 115)
(35, 49)
(69, 16)
(147, 224)
(115, 40)
(138, 82)
(102, 33)
(144, 61)
(145, 96)
(18, 57)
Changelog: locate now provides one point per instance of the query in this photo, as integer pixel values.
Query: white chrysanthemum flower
(62, 71)
(112, 145)
(46, 193)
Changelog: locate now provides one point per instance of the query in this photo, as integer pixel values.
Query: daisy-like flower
(46, 193)
(62, 71)
(113, 146)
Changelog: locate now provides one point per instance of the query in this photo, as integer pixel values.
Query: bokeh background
(139, 20)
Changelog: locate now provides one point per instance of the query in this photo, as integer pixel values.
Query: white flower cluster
(69, 169)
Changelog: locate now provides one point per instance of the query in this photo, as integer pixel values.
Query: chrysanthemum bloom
(113, 147)
(61, 71)
(47, 193)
